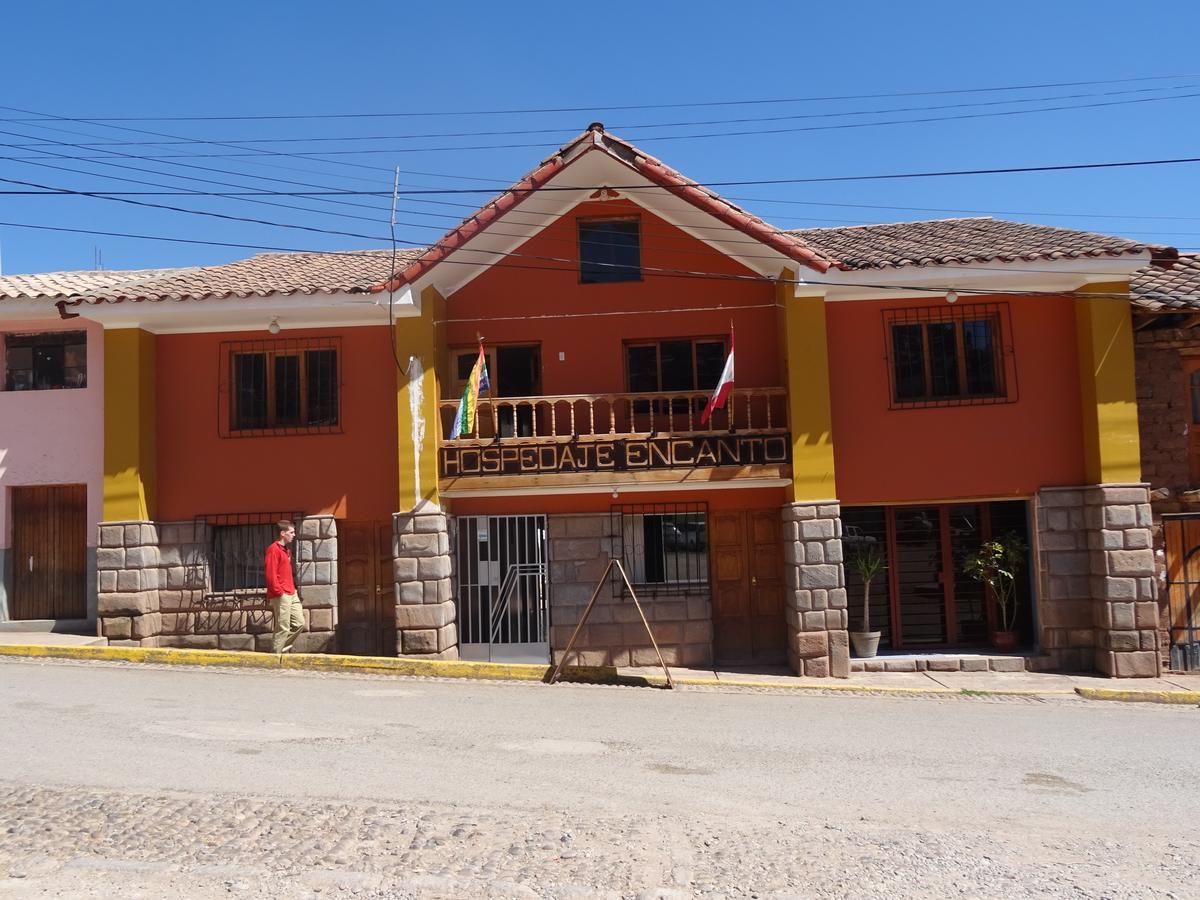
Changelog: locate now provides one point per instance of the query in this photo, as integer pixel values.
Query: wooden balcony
(570, 417)
(616, 439)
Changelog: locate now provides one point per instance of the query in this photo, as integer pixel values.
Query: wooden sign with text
(627, 454)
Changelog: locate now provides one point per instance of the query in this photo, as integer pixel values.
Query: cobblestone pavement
(90, 843)
(143, 783)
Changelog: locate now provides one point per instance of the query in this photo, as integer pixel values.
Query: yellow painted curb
(1181, 698)
(429, 668)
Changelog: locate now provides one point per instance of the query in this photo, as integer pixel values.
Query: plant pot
(1004, 641)
(866, 643)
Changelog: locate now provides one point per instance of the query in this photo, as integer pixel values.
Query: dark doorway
(49, 552)
(518, 374)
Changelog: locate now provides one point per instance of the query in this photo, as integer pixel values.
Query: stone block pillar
(127, 561)
(1122, 579)
(422, 566)
(1097, 607)
(316, 558)
(815, 600)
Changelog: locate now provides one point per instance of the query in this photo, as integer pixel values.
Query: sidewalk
(1177, 689)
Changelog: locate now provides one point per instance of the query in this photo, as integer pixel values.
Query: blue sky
(220, 58)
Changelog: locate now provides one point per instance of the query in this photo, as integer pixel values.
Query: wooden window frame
(272, 350)
(590, 220)
(44, 338)
(1003, 358)
(657, 343)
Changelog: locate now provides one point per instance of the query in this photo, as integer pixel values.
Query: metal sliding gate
(1181, 535)
(503, 595)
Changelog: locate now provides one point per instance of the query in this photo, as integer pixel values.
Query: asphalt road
(694, 792)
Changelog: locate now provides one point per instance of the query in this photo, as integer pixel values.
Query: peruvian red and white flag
(724, 386)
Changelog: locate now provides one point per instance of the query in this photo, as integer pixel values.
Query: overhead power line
(638, 126)
(611, 107)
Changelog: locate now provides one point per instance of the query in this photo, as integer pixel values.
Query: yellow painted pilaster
(1104, 329)
(130, 425)
(805, 357)
(421, 348)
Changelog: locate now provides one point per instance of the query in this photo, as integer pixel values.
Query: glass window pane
(980, 357)
(321, 375)
(677, 371)
(909, 362)
(710, 360)
(609, 250)
(643, 367)
(48, 366)
(287, 391)
(1195, 382)
(250, 390)
(943, 359)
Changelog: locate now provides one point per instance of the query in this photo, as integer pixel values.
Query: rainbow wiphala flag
(464, 418)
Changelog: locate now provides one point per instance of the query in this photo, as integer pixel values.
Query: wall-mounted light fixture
(951, 296)
(274, 326)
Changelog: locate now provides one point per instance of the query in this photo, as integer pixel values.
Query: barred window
(663, 547)
(282, 386)
(237, 549)
(947, 356)
(48, 361)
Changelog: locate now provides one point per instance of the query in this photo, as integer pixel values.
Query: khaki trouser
(289, 622)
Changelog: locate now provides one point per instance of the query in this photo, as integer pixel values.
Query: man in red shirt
(281, 589)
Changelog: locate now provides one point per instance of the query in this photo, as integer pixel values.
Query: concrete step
(946, 661)
(51, 639)
(46, 626)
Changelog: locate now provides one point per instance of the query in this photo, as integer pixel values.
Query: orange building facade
(903, 396)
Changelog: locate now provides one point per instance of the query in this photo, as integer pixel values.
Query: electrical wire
(639, 126)
(621, 107)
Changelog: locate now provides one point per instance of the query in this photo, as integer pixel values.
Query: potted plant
(997, 564)
(868, 563)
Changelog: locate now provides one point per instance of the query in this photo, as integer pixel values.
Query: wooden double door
(747, 587)
(366, 602)
(49, 548)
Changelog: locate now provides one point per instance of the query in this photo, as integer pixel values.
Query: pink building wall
(53, 437)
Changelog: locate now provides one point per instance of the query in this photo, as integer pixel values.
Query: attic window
(609, 250)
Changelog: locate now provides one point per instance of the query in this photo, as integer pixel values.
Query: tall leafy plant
(868, 563)
(997, 564)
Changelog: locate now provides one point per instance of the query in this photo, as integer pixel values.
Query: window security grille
(280, 386)
(663, 546)
(237, 546)
(950, 355)
(48, 361)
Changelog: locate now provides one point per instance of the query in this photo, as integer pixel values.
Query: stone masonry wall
(156, 588)
(1065, 617)
(815, 601)
(1097, 599)
(422, 567)
(579, 551)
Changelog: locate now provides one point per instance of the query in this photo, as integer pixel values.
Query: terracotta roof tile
(1166, 288)
(943, 241)
(259, 276)
(64, 285)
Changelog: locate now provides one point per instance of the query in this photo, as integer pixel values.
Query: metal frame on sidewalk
(588, 611)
